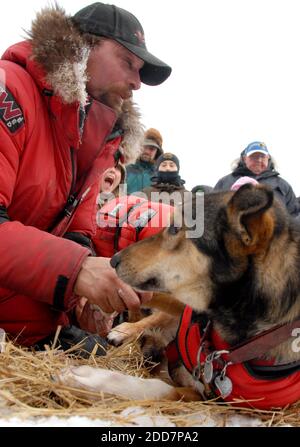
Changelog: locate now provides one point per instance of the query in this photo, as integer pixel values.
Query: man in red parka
(60, 95)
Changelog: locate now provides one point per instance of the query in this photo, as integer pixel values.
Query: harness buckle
(197, 370)
(208, 372)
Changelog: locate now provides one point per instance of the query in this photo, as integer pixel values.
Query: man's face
(113, 73)
(148, 153)
(257, 162)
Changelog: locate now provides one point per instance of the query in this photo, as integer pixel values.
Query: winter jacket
(52, 145)
(139, 175)
(270, 177)
(128, 219)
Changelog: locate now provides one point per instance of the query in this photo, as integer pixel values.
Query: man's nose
(135, 82)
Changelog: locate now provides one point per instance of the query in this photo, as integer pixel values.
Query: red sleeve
(39, 264)
(33, 262)
(9, 162)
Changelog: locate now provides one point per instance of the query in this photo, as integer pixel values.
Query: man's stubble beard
(146, 158)
(113, 100)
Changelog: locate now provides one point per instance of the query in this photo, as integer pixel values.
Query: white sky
(235, 79)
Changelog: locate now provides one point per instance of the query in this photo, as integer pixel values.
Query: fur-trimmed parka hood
(63, 53)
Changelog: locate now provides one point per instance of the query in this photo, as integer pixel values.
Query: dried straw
(27, 389)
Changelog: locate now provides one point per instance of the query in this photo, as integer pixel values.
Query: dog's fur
(243, 272)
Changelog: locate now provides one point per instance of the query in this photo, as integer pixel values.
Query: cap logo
(140, 36)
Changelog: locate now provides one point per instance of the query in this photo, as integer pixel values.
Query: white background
(236, 77)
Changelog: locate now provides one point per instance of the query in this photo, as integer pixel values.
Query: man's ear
(249, 216)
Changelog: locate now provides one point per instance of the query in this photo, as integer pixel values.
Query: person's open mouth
(109, 179)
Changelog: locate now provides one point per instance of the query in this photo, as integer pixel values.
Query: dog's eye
(173, 230)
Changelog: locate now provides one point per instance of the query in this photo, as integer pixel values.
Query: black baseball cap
(122, 26)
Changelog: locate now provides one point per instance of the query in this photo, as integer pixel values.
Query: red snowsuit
(43, 159)
(126, 220)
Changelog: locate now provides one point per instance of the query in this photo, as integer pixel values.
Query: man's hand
(92, 319)
(99, 283)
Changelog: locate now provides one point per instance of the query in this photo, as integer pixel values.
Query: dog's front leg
(127, 331)
(122, 385)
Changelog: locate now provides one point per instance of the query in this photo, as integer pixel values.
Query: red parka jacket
(128, 219)
(43, 157)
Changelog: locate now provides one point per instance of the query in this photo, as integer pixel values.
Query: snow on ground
(139, 419)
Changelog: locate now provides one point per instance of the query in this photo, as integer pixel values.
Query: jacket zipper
(72, 196)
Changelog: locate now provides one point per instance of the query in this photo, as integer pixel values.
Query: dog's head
(237, 228)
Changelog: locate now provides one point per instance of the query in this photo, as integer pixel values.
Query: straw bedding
(28, 388)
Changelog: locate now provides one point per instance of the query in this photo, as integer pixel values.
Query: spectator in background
(256, 162)
(110, 183)
(139, 174)
(166, 180)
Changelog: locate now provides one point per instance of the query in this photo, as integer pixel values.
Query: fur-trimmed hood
(60, 49)
(63, 53)
(130, 123)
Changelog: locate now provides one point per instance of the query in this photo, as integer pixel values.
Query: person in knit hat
(166, 180)
(139, 173)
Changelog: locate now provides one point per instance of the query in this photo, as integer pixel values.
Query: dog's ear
(248, 214)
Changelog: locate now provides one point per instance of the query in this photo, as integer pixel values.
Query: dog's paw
(153, 346)
(100, 380)
(87, 377)
(123, 333)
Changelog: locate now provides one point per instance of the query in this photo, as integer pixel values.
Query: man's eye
(173, 230)
(129, 63)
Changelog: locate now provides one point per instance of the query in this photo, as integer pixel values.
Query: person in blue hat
(256, 162)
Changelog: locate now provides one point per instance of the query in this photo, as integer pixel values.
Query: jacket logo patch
(10, 112)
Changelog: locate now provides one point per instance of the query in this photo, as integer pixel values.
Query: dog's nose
(115, 260)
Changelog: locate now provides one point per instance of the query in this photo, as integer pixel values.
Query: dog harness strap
(172, 352)
(182, 337)
(191, 342)
(258, 345)
(236, 379)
